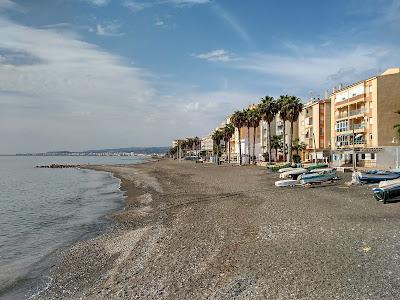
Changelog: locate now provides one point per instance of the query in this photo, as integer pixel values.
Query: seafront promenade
(198, 231)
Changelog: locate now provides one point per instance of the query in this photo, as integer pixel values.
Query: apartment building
(362, 120)
(315, 130)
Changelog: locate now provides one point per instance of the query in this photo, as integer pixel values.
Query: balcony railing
(359, 126)
(356, 112)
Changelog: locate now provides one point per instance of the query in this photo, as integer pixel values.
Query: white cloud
(47, 76)
(215, 56)
(187, 2)
(7, 4)
(111, 29)
(98, 2)
(159, 23)
(136, 6)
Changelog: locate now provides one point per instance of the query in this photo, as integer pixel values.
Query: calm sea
(43, 210)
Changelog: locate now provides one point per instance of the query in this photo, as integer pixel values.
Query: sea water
(43, 210)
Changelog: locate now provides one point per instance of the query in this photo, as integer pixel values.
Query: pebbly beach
(200, 231)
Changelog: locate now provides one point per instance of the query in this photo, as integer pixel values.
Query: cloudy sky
(85, 74)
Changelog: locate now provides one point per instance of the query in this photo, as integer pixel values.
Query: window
(372, 155)
(370, 136)
(363, 156)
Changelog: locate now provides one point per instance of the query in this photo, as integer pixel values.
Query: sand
(197, 231)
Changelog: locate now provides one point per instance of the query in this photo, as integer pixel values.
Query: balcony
(356, 112)
(359, 126)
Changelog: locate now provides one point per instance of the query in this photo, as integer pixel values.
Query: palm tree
(191, 143)
(217, 136)
(298, 146)
(282, 102)
(238, 120)
(196, 141)
(228, 132)
(397, 126)
(254, 117)
(276, 143)
(293, 110)
(268, 109)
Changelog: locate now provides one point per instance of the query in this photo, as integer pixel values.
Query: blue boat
(318, 177)
(387, 191)
(377, 176)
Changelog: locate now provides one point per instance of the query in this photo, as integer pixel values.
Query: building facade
(315, 130)
(362, 120)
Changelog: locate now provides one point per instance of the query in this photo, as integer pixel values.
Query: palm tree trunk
(269, 143)
(254, 145)
(240, 149)
(284, 141)
(248, 140)
(229, 151)
(290, 142)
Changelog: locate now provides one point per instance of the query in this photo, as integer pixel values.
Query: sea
(42, 211)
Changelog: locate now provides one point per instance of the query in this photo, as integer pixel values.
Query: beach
(200, 231)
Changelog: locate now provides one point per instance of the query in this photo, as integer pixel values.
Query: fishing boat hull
(293, 173)
(287, 182)
(389, 190)
(317, 177)
(377, 177)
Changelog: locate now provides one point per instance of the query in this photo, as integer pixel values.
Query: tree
(397, 126)
(293, 108)
(238, 120)
(282, 106)
(268, 110)
(298, 146)
(217, 136)
(276, 143)
(228, 132)
(197, 144)
(254, 118)
(190, 143)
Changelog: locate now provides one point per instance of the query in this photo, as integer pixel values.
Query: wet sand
(196, 231)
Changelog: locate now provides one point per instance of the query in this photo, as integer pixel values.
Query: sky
(92, 74)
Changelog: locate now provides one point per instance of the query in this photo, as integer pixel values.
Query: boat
(318, 177)
(293, 173)
(287, 182)
(322, 170)
(387, 190)
(317, 166)
(286, 169)
(376, 177)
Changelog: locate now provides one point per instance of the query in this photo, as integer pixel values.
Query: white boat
(388, 183)
(322, 170)
(292, 173)
(285, 169)
(287, 182)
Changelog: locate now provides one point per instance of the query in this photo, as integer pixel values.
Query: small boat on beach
(317, 166)
(376, 176)
(287, 182)
(286, 169)
(318, 177)
(294, 173)
(387, 190)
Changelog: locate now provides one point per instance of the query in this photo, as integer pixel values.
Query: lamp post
(394, 141)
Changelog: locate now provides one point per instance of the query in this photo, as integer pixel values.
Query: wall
(388, 103)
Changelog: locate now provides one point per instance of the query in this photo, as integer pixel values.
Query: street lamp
(394, 141)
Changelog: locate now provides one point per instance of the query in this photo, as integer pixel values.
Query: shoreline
(191, 231)
(40, 270)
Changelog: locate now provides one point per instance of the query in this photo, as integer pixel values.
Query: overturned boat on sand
(376, 176)
(294, 173)
(318, 176)
(387, 190)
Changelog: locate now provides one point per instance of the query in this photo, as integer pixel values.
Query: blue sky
(79, 74)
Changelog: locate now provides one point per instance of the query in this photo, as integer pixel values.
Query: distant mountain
(141, 150)
(136, 150)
